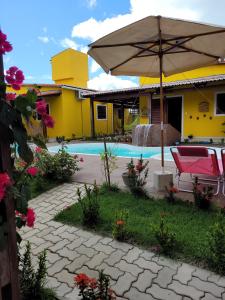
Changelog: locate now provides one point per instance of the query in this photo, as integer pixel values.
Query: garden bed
(190, 224)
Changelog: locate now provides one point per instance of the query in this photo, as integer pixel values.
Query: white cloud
(95, 66)
(68, 43)
(29, 77)
(91, 3)
(107, 82)
(46, 77)
(83, 49)
(93, 29)
(43, 39)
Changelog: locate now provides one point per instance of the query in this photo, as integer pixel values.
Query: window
(101, 112)
(134, 111)
(119, 111)
(220, 104)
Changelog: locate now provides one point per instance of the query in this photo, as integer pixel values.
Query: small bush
(165, 238)
(32, 283)
(119, 231)
(91, 288)
(216, 241)
(202, 196)
(106, 188)
(90, 206)
(59, 167)
(170, 193)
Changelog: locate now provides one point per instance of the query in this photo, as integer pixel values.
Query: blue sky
(40, 29)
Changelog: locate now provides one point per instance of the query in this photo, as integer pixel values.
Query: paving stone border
(136, 274)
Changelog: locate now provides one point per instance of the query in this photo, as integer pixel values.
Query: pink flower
(14, 77)
(41, 107)
(48, 121)
(38, 149)
(30, 217)
(33, 171)
(10, 96)
(5, 46)
(4, 180)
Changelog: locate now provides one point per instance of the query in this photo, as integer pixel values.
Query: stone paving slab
(136, 274)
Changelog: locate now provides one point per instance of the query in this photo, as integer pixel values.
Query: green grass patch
(188, 223)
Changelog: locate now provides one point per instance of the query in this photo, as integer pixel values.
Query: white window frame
(106, 113)
(215, 104)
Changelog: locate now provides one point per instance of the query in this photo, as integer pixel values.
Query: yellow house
(194, 102)
(72, 113)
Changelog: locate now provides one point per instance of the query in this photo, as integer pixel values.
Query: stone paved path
(135, 274)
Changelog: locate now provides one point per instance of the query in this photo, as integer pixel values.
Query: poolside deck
(91, 170)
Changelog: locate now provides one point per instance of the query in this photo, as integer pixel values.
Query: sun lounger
(197, 161)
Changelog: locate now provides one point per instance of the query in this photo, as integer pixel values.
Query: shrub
(165, 238)
(119, 230)
(216, 242)
(202, 196)
(89, 206)
(106, 188)
(33, 283)
(91, 288)
(59, 167)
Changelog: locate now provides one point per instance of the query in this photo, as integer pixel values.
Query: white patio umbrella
(157, 45)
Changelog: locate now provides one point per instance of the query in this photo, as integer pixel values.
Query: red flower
(10, 96)
(38, 149)
(81, 159)
(120, 222)
(93, 283)
(173, 190)
(41, 107)
(30, 217)
(33, 171)
(4, 180)
(5, 46)
(48, 121)
(82, 280)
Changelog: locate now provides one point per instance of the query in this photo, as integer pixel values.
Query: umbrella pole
(161, 113)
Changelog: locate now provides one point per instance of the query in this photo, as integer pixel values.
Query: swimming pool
(117, 149)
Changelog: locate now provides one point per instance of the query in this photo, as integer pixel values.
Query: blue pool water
(117, 149)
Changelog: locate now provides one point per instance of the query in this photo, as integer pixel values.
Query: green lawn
(189, 224)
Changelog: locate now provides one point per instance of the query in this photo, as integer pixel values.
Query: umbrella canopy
(157, 45)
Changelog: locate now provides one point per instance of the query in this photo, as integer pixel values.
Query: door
(174, 111)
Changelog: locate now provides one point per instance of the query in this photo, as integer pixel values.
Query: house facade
(194, 102)
(72, 113)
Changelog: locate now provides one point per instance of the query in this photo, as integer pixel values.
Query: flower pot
(128, 180)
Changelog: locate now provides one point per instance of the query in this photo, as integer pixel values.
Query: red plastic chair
(223, 164)
(197, 161)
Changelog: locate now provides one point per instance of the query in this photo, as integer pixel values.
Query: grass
(188, 223)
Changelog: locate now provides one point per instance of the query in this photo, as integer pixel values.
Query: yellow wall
(201, 72)
(143, 108)
(202, 124)
(70, 67)
(104, 126)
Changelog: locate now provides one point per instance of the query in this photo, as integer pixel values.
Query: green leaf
(24, 151)
(25, 103)
(38, 140)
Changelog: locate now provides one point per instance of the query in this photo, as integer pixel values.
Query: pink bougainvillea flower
(33, 171)
(5, 46)
(48, 121)
(10, 96)
(38, 149)
(14, 77)
(4, 180)
(81, 159)
(41, 107)
(82, 280)
(30, 217)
